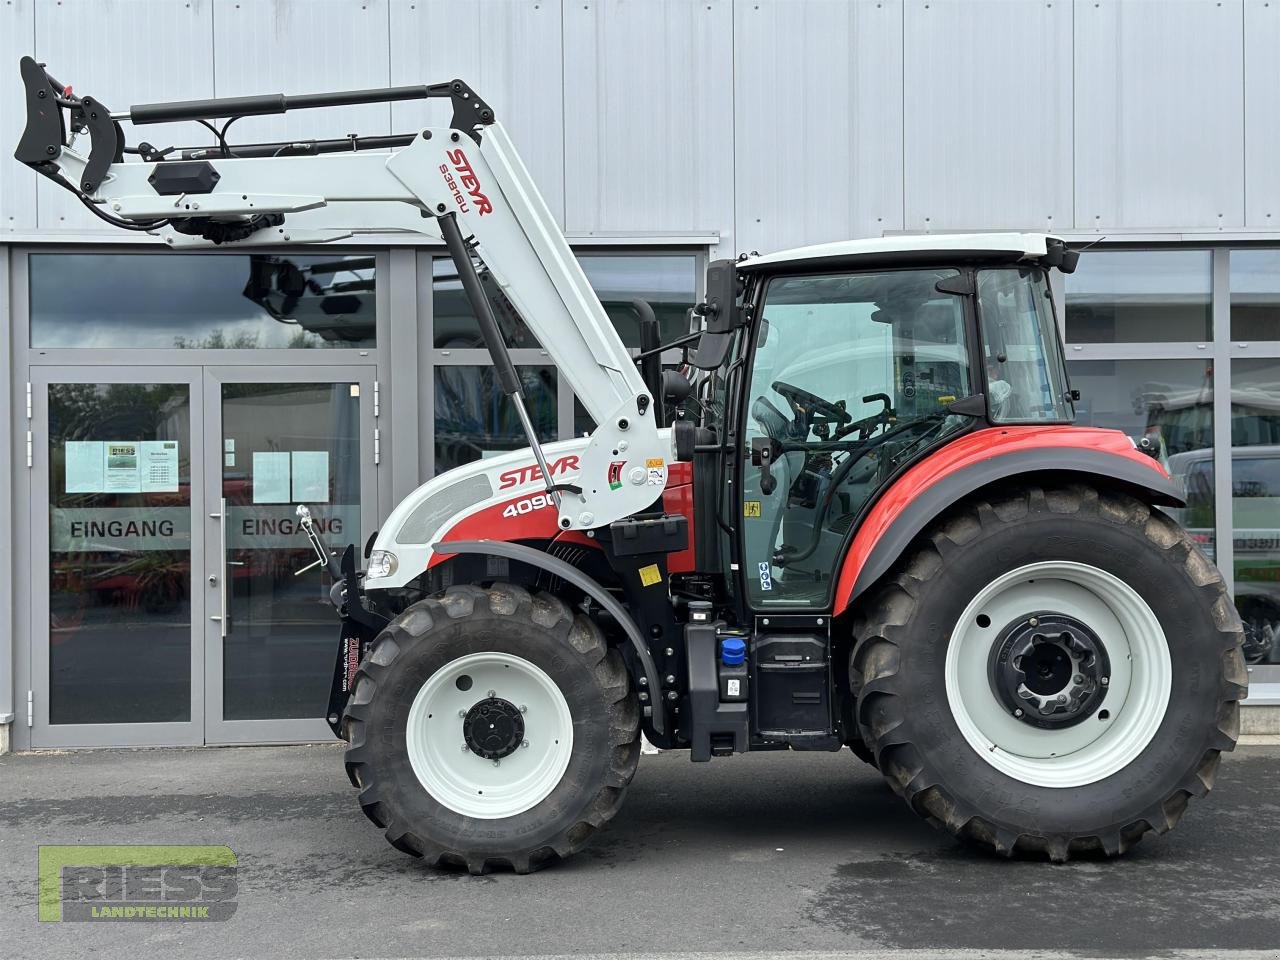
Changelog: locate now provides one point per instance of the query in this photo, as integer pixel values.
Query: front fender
(978, 459)
(571, 574)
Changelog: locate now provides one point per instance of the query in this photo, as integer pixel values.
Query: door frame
(216, 730)
(43, 733)
(204, 382)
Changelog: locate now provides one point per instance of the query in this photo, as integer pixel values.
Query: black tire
(540, 628)
(856, 744)
(903, 709)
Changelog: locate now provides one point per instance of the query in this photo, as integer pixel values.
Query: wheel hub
(1049, 670)
(493, 728)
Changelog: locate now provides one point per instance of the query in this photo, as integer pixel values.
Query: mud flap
(360, 627)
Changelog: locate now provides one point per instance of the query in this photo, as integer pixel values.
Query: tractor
(848, 509)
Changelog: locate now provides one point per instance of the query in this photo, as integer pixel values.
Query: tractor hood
(498, 498)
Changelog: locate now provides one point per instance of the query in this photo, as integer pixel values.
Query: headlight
(382, 563)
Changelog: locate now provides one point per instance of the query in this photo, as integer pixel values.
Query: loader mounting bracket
(359, 628)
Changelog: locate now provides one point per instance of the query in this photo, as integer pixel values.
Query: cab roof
(908, 249)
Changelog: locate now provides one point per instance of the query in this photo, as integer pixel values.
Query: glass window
(455, 326)
(1170, 402)
(1255, 503)
(667, 281)
(119, 553)
(1020, 348)
(1135, 296)
(1255, 294)
(201, 301)
(474, 420)
(850, 378)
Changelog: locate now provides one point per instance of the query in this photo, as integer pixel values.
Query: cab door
(849, 378)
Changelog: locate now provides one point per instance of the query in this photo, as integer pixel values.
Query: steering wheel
(805, 405)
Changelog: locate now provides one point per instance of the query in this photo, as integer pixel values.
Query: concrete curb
(1262, 718)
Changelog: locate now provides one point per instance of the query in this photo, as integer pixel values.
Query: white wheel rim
(1118, 729)
(462, 780)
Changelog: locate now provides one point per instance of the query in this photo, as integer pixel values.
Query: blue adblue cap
(733, 651)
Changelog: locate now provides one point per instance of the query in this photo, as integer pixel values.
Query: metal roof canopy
(907, 249)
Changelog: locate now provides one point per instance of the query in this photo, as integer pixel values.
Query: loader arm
(464, 185)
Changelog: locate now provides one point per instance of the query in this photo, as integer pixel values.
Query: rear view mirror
(720, 314)
(720, 308)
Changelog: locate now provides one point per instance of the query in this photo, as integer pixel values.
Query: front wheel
(1051, 671)
(492, 727)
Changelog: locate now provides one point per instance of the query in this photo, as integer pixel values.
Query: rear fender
(977, 460)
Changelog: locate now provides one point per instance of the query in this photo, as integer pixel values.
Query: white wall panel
(303, 46)
(509, 51)
(648, 93)
(123, 53)
(987, 114)
(818, 121)
(1262, 113)
(17, 183)
(1159, 113)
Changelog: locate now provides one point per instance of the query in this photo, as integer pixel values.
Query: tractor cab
(857, 360)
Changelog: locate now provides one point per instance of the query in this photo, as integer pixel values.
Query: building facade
(166, 409)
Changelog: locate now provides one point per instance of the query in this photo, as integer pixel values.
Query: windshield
(851, 377)
(1026, 379)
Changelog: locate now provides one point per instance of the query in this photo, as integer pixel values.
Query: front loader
(856, 514)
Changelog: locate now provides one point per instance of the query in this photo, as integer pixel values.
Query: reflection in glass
(284, 443)
(474, 420)
(453, 321)
(1255, 503)
(1171, 403)
(119, 553)
(666, 281)
(1134, 296)
(201, 301)
(1255, 294)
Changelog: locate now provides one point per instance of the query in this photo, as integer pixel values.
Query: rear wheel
(1052, 671)
(491, 727)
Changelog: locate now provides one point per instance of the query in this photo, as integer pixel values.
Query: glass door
(272, 634)
(117, 645)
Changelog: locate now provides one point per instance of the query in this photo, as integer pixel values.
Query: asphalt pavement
(744, 856)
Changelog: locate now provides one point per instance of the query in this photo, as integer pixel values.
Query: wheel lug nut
(523, 708)
(465, 748)
(1034, 622)
(1062, 698)
(497, 762)
(1104, 681)
(1017, 713)
(1079, 679)
(462, 714)
(492, 694)
(525, 744)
